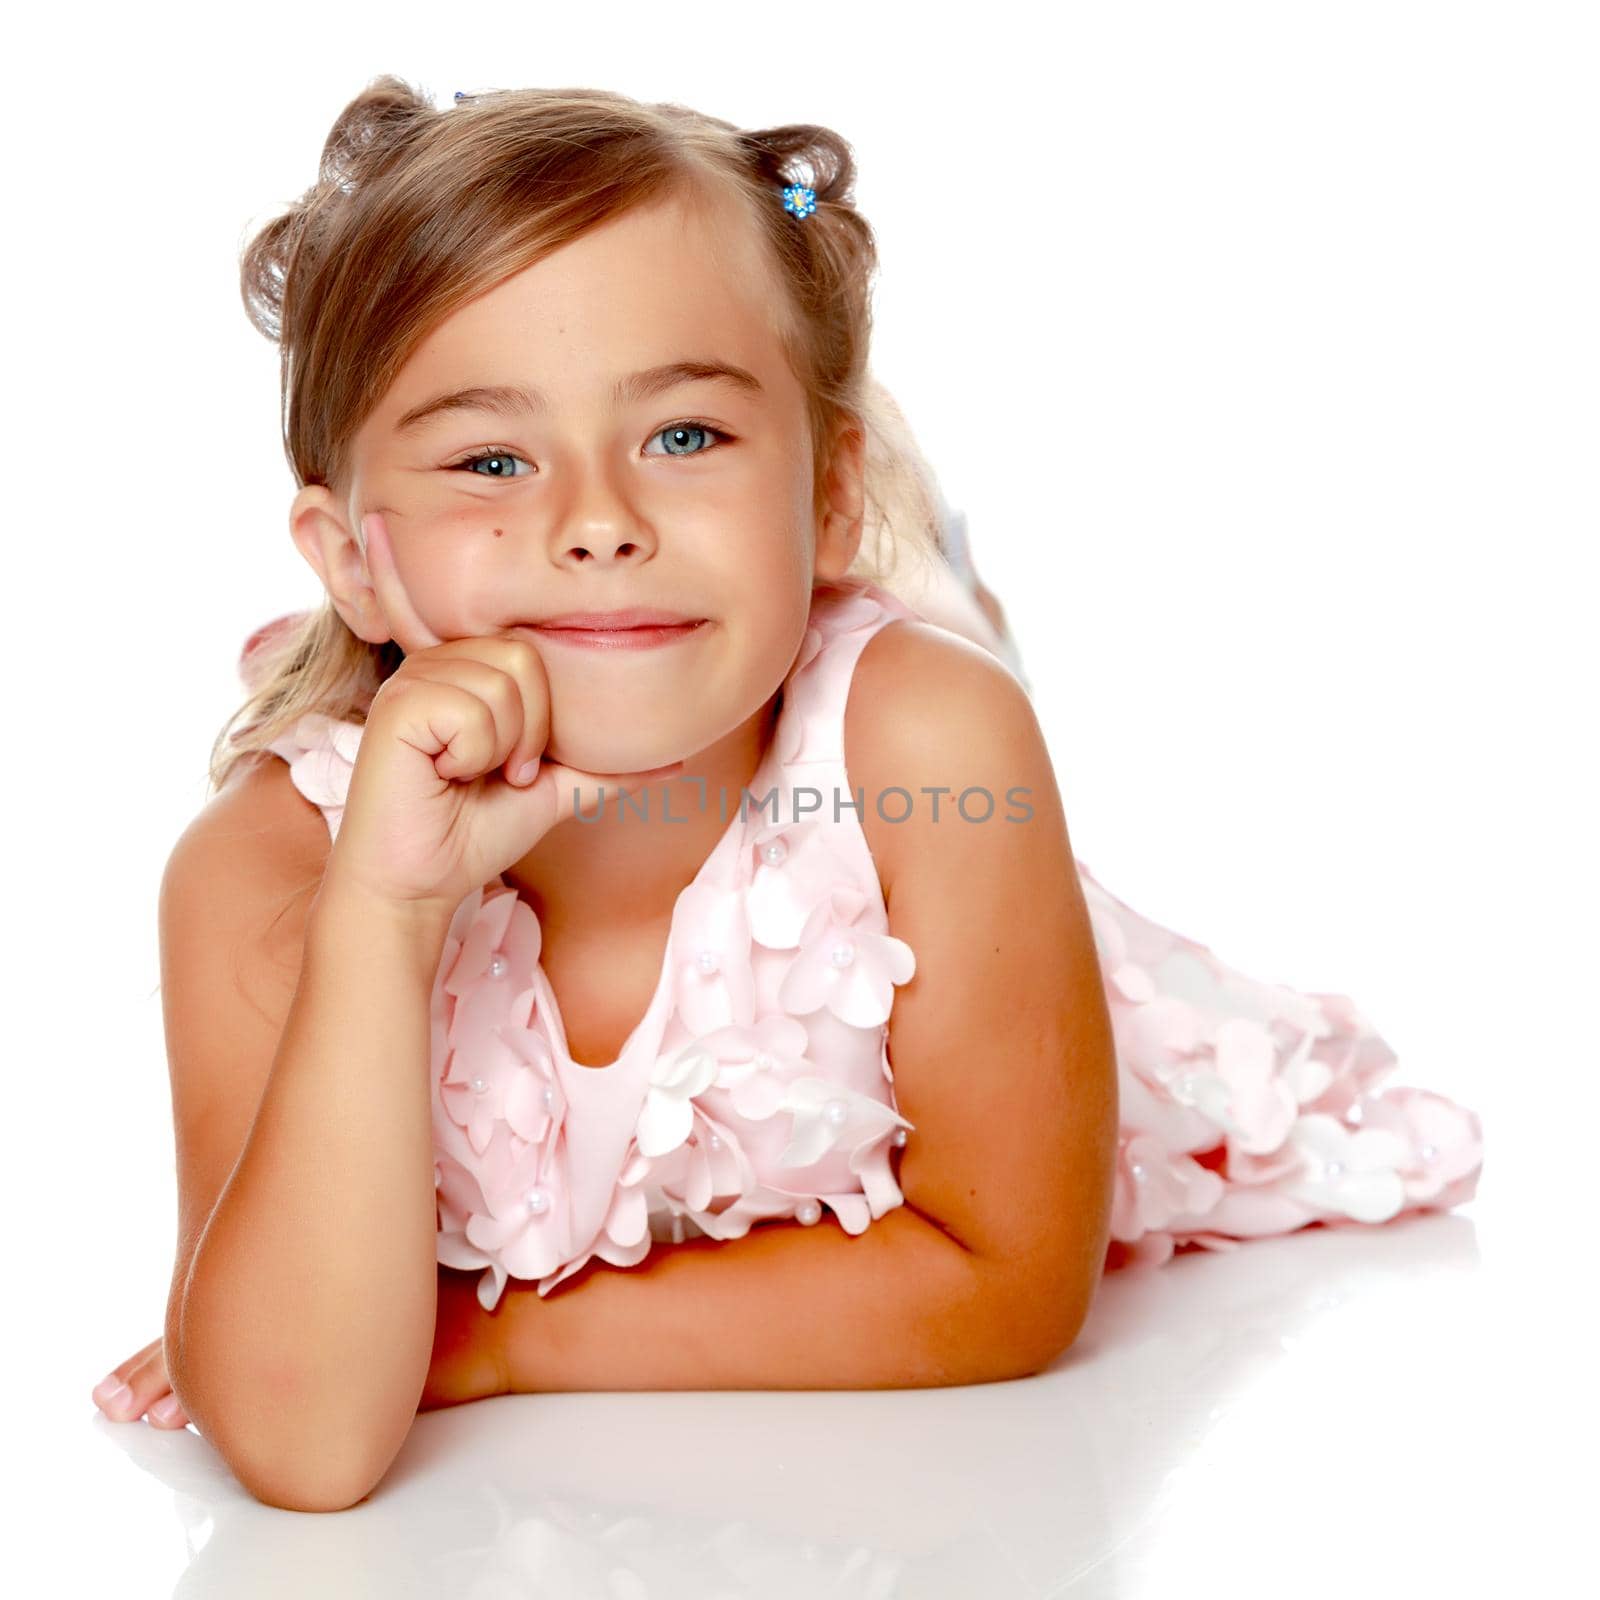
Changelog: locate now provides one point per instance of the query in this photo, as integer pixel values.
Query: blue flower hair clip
(799, 199)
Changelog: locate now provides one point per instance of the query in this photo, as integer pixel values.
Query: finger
(527, 669)
(489, 687)
(410, 632)
(571, 788)
(517, 688)
(125, 1392)
(115, 1396)
(551, 798)
(166, 1411)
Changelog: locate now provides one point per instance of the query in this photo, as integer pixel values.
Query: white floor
(1334, 1413)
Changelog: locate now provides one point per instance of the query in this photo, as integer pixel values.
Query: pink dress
(758, 1083)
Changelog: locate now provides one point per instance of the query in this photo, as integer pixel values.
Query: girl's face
(688, 492)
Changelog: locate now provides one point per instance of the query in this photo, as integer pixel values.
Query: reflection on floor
(1305, 1415)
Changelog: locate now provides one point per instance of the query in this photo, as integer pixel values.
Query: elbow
(989, 1341)
(299, 1474)
(1030, 1356)
(272, 1424)
(1046, 1351)
(1041, 1324)
(289, 1469)
(289, 1493)
(1003, 1356)
(318, 1478)
(1014, 1318)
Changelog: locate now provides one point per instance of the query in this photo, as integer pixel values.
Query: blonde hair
(416, 211)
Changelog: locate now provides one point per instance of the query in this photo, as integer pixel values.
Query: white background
(1258, 343)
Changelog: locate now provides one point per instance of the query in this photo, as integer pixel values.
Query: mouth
(616, 630)
(626, 617)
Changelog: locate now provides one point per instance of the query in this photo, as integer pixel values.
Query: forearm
(901, 1305)
(300, 1340)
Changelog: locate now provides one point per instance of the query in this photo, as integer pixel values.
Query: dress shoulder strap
(844, 617)
(321, 753)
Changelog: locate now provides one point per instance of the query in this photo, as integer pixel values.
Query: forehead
(659, 282)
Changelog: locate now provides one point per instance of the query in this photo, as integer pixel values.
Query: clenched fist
(450, 785)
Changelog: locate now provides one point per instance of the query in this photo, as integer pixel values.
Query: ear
(320, 528)
(839, 533)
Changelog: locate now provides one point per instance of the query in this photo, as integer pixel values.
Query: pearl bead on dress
(900, 1137)
(843, 954)
(774, 852)
(714, 1142)
(538, 1202)
(836, 1111)
(807, 1212)
(1335, 1168)
(549, 1098)
(480, 1085)
(498, 966)
(708, 962)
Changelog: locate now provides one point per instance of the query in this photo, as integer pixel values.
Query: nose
(608, 546)
(601, 526)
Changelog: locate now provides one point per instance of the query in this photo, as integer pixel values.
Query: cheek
(459, 572)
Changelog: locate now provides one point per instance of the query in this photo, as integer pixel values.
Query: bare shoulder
(258, 836)
(261, 793)
(930, 711)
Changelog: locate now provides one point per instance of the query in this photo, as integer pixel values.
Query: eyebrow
(517, 399)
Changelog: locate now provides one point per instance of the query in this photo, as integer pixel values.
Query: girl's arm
(303, 1302)
(786, 1307)
(1001, 1044)
(1003, 1059)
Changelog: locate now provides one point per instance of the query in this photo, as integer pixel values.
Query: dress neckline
(545, 996)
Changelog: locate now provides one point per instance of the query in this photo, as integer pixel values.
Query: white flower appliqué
(1351, 1173)
(844, 964)
(675, 1080)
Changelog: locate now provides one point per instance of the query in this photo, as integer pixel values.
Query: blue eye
(500, 453)
(692, 427)
(493, 453)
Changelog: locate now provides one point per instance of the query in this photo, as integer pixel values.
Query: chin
(604, 757)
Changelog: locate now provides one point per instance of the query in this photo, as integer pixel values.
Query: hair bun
(830, 167)
(366, 137)
(371, 130)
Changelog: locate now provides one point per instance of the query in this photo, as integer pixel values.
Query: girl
(632, 943)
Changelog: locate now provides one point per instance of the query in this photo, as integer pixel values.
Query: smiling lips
(638, 628)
